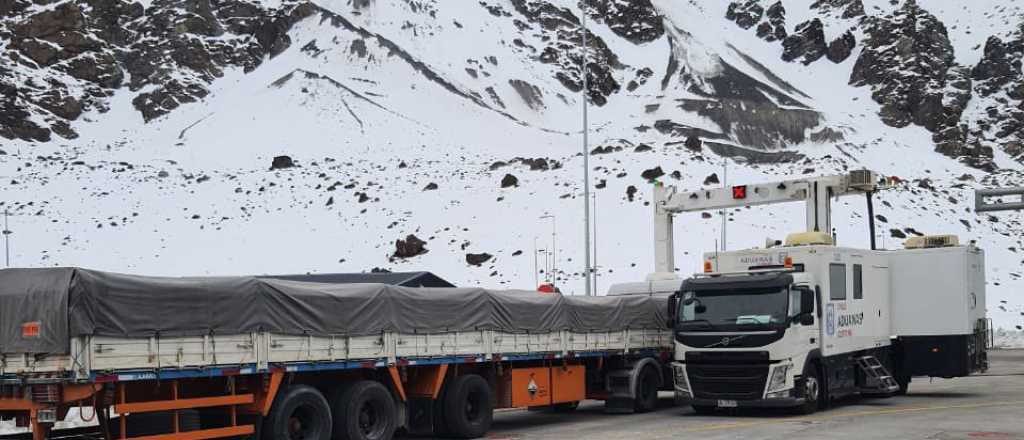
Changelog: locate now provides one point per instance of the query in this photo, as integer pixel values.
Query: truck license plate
(726, 403)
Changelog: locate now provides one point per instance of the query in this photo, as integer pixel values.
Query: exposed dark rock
(430, 187)
(635, 20)
(605, 150)
(562, 34)
(745, 14)
(907, 60)
(509, 181)
(282, 162)
(643, 148)
(999, 81)
(177, 47)
(410, 247)
(807, 42)
(841, 49)
(531, 94)
(478, 259)
(896, 233)
(602, 184)
(712, 180)
(693, 143)
(652, 174)
(631, 192)
(827, 134)
(846, 8)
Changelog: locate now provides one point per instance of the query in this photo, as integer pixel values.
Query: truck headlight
(779, 375)
(682, 384)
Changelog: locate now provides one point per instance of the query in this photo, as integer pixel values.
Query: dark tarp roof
(70, 302)
(407, 279)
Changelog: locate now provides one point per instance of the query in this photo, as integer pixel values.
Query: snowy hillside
(140, 138)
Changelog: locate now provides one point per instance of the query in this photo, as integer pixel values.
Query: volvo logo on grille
(726, 341)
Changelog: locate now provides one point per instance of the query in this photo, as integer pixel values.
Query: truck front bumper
(785, 402)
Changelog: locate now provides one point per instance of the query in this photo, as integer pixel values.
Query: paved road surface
(972, 408)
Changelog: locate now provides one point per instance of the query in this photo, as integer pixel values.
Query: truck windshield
(733, 309)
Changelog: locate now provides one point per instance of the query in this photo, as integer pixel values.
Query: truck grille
(727, 375)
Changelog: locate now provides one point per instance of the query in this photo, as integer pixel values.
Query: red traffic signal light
(739, 192)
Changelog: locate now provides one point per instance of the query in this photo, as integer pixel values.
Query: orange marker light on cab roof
(707, 267)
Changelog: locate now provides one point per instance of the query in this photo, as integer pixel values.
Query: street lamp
(554, 272)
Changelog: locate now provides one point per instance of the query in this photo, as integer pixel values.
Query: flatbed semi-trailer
(203, 358)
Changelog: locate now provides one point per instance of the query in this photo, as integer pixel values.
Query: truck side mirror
(806, 302)
(673, 308)
(807, 319)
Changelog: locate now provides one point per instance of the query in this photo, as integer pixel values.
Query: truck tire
(467, 407)
(812, 391)
(299, 412)
(364, 411)
(904, 383)
(647, 390)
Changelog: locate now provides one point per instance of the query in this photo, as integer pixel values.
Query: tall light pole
(725, 214)
(586, 152)
(7, 239)
(595, 244)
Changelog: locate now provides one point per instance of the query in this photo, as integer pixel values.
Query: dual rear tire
(363, 410)
(366, 410)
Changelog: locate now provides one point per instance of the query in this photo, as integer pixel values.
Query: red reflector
(739, 192)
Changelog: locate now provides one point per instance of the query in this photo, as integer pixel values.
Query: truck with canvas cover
(263, 358)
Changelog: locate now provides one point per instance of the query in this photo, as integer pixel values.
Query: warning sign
(30, 329)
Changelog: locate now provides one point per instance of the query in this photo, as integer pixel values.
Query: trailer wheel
(364, 411)
(298, 413)
(646, 390)
(467, 407)
(812, 391)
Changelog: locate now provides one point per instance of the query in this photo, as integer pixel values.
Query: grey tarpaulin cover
(68, 302)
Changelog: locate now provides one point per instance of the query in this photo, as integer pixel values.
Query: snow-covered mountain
(142, 136)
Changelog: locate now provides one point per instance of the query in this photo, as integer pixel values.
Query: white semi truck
(801, 323)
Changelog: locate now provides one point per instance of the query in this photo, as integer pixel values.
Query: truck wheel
(812, 391)
(363, 411)
(299, 412)
(646, 390)
(467, 407)
(904, 383)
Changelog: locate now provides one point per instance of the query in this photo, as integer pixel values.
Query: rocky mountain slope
(237, 136)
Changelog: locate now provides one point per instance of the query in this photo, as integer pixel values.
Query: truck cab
(744, 339)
